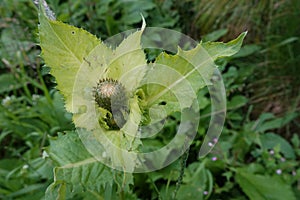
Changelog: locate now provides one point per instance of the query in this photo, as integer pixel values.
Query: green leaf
(79, 60)
(128, 63)
(247, 50)
(196, 180)
(28, 191)
(180, 76)
(8, 82)
(271, 140)
(215, 35)
(76, 167)
(219, 49)
(64, 49)
(77, 171)
(269, 122)
(187, 72)
(259, 187)
(118, 146)
(237, 101)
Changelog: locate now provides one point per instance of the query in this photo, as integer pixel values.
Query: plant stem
(182, 167)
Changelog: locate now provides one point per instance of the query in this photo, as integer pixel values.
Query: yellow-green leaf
(64, 49)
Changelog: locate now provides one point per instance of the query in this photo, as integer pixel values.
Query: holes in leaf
(163, 103)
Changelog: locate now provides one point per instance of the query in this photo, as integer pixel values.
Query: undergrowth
(260, 142)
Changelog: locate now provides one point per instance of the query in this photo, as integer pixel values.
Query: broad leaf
(78, 171)
(196, 180)
(129, 61)
(259, 187)
(178, 77)
(181, 76)
(79, 61)
(219, 49)
(64, 49)
(271, 140)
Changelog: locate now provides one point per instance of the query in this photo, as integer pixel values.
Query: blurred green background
(258, 152)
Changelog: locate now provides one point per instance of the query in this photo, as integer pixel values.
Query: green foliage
(263, 187)
(195, 66)
(250, 161)
(64, 49)
(110, 17)
(79, 175)
(126, 63)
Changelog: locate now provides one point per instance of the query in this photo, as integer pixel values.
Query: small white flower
(214, 158)
(205, 192)
(45, 155)
(35, 97)
(25, 166)
(278, 171)
(6, 101)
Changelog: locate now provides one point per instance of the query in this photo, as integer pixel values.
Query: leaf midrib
(62, 42)
(160, 94)
(80, 163)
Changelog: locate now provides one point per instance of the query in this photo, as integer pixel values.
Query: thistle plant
(119, 99)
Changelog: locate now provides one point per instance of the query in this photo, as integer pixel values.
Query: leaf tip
(144, 22)
(243, 34)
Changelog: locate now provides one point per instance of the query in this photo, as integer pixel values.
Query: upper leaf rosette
(116, 96)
